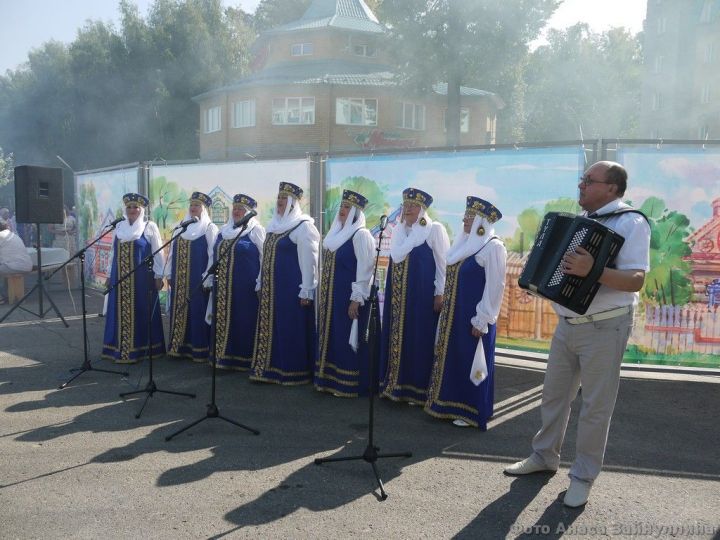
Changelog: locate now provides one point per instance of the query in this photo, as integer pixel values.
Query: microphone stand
(86, 365)
(151, 387)
(212, 408)
(372, 337)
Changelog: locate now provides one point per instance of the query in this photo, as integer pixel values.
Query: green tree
(168, 198)
(668, 280)
(529, 221)
(583, 84)
(88, 212)
(7, 166)
(478, 43)
(377, 202)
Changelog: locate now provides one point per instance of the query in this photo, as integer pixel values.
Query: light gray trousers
(587, 355)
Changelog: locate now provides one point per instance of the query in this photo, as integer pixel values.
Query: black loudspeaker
(39, 194)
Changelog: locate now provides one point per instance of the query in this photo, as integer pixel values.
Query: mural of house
(704, 258)
(101, 252)
(221, 206)
(324, 83)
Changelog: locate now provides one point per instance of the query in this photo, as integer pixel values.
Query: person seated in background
(14, 257)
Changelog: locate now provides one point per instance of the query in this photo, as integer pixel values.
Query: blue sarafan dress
(409, 325)
(339, 369)
(126, 324)
(189, 333)
(237, 302)
(285, 339)
(452, 394)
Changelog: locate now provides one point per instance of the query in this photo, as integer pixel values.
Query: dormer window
(365, 50)
(301, 49)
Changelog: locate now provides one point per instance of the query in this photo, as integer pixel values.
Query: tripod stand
(372, 336)
(151, 387)
(86, 365)
(212, 408)
(41, 292)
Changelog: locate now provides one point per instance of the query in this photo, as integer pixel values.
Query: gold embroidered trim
(223, 289)
(399, 291)
(181, 284)
(327, 286)
(447, 315)
(126, 301)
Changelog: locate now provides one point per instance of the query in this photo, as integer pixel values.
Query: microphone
(383, 222)
(114, 222)
(244, 220)
(185, 224)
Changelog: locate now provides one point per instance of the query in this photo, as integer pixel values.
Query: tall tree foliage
(119, 95)
(477, 43)
(583, 83)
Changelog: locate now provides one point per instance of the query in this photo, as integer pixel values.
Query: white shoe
(526, 466)
(577, 494)
(459, 422)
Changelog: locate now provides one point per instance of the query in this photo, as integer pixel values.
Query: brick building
(323, 83)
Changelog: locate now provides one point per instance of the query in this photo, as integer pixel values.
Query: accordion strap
(619, 212)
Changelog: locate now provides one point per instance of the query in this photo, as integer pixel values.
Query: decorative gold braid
(264, 327)
(399, 290)
(126, 301)
(327, 287)
(223, 289)
(182, 286)
(447, 315)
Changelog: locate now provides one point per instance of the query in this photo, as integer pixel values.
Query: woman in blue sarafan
(413, 299)
(463, 375)
(348, 256)
(126, 318)
(235, 280)
(285, 339)
(190, 256)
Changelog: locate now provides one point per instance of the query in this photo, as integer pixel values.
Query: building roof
(332, 71)
(342, 14)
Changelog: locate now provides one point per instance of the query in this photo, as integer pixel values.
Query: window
(661, 25)
(708, 53)
(705, 94)
(706, 13)
(658, 64)
(656, 101)
(212, 120)
(243, 113)
(704, 132)
(293, 111)
(219, 213)
(356, 111)
(491, 128)
(410, 116)
(464, 120)
(654, 133)
(364, 50)
(301, 49)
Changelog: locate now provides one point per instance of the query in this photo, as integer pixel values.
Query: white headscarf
(125, 232)
(228, 231)
(342, 232)
(467, 244)
(403, 242)
(197, 229)
(291, 217)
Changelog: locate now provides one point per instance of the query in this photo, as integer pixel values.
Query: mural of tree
(668, 280)
(87, 211)
(167, 199)
(377, 204)
(529, 220)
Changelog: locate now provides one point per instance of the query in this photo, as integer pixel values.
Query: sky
(27, 24)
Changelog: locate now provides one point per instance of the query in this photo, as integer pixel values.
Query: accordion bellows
(560, 233)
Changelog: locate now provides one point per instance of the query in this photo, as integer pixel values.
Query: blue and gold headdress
(417, 196)
(200, 197)
(245, 200)
(291, 190)
(476, 205)
(140, 200)
(354, 198)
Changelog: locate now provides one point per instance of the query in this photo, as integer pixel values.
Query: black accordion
(560, 233)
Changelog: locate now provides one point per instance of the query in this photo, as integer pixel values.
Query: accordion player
(558, 234)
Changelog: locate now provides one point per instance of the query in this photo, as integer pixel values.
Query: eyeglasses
(586, 181)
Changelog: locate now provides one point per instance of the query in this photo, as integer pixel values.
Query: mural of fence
(674, 329)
